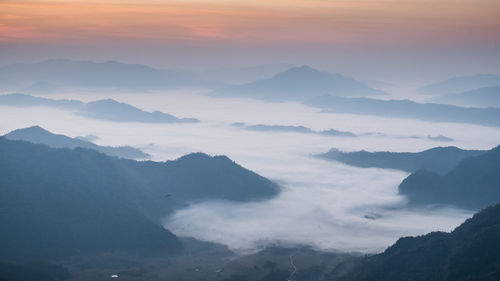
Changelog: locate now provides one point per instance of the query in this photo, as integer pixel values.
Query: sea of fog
(325, 205)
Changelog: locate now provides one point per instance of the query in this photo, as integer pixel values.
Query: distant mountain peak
(31, 130)
(299, 72)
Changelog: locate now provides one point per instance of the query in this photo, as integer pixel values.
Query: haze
(414, 41)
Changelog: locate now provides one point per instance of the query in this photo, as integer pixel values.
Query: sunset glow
(250, 22)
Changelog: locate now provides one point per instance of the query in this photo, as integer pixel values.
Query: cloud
(323, 204)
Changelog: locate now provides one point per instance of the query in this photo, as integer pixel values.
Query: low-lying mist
(325, 205)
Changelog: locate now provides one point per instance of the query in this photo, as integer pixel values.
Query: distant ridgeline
(37, 134)
(56, 203)
(470, 252)
(299, 84)
(443, 175)
(106, 109)
(482, 97)
(293, 129)
(439, 159)
(59, 74)
(474, 183)
(460, 84)
(407, 109)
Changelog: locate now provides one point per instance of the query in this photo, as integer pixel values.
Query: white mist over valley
(322, 204)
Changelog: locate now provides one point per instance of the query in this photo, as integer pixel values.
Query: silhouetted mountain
(62, 202)
(299, 83)
(470, 252)
(38, 135)
(482, 97)
(293, 129)
(461, 84)
(408, 109)
(112, 110)
(107, 109)
(49, 75)
(474, 183)
(439, 159)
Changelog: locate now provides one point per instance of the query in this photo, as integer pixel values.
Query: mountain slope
(407, 109)
(112, 110)
(482, 97)
(470, 252)
(461, 84)
(439, 159)
(106, 109)
(474, 183)
(299, 83)
(60, 202)
(58, 74)
(38, 135)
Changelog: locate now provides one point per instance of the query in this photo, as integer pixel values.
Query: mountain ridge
(37, 134)
(298, 83)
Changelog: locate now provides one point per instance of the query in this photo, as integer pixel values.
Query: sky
(406, 37)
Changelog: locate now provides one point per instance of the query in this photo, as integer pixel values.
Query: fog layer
(326, 205)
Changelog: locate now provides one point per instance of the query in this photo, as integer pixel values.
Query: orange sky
(250, 22)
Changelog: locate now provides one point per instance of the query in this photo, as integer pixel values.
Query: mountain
(61, 202)
(408, 109)
(461, 84)
(298, 84)
(473, 184)
(106, 109)
(39, 135)
(439, 159)
(482, 97)
(293, 129)
(58, 74)
(23, 100)
(112, 110)
(470, 252)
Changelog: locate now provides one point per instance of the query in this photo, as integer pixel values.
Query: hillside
(470, 252)
(62, 202)
(472, 184)
(39, 135)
